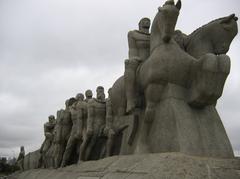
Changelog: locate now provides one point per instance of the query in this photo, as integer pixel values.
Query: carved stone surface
(165, 102)
(48, 132)
(75, 139)
(179, 89)
(145, 166)
(63, 130)
(20, 159)
(96, 110)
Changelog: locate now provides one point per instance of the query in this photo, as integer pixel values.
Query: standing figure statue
(76, 132)
(109, 131)
(63, 130)
(139, 50)
(20, 159)
(82, 108)
(96, 114)
(48, 132)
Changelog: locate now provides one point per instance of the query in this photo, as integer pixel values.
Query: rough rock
(147, 166)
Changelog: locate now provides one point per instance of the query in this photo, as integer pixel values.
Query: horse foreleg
(152, 95)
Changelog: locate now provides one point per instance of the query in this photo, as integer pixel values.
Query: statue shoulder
(91, 102)
(132, 33)
(46, 124)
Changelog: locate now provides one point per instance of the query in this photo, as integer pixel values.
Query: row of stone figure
(85, 126)
(82, 131)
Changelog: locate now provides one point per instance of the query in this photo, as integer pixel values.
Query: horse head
(164, 23)
(214, 37)
(225, 32)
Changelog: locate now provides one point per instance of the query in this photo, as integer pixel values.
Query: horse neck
(199, 43)
(156, 33)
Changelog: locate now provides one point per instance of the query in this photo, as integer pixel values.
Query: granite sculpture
(96, 113)
(63, 131)
(165, 101)
(75, 139)
(179, 88)
(48, 133)
(20, 159)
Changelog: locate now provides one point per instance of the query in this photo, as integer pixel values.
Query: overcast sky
(52, 49)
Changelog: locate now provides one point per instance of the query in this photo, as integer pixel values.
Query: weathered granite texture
(31, 160)
(148, 166)
(165, 102)
(177, 88)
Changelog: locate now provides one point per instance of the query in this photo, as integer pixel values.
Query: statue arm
(45, 129)
(133, 51)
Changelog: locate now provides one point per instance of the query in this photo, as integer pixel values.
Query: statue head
(100, 93)
(79, 97)
(88, 94)
(51, 119)
(22, 149)
(71, 101)
(144, 25)
(67, 103)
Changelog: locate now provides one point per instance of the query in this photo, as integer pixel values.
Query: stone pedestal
(148, 166)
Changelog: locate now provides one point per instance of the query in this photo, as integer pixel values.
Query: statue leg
(82, 150)
(130, 83)
(67, 154)
(90, 146)
(109, 144)
(57, 155)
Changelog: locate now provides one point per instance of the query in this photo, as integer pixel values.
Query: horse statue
(220, 33)
(179, 88)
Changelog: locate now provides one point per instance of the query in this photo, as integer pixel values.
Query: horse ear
(228, 19)
(179, 4)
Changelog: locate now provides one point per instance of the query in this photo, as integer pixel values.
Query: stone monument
(161, 113)
(20, 159)
(48, 132)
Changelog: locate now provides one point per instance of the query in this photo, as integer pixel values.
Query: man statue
(139, 50)
(74, 141)
(20, 159)
(88, 95)
(109, 131)
(96, 111)
(48, 132)
(63, 130)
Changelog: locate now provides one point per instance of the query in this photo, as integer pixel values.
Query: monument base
(146, 166)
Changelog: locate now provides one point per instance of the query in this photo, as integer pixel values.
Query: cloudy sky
(52, 49)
